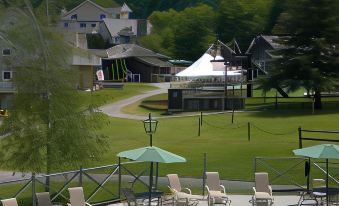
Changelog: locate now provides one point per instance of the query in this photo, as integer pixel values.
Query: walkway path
(114, 110)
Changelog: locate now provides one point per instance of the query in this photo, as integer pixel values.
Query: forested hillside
(141, 8)
(188, 33)
(144, 8)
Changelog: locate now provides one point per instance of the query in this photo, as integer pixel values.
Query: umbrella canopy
(322, 151)
(151, 154)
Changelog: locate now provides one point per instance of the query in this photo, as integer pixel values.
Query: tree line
(186, 34)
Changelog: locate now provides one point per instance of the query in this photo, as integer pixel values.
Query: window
(93, 25)
(65, 24)
(6, 52)
(102, 16)
(74, 17)
(175, 94)
(6, 75)
(82, 25)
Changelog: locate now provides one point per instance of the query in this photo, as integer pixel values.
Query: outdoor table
(333, 193)
(145, 195)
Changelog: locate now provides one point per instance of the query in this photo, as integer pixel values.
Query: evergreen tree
(194, 32)
(310, 56)
(50, 128)
(241, 20)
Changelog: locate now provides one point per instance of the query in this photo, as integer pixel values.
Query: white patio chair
(181, 197)
(43, 199)
(77, 197)
(216, 191)
(9, 202)
(262, 190)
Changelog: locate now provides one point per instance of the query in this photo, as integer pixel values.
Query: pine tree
(309, 58)
(50, 128)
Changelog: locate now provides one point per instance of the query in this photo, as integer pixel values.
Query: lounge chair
(43, 199)
(262, 190)
(132, 199)
(181, 198)
(216, 191)
(9, 202)
(77, 197)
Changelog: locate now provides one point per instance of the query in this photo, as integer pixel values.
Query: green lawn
(106, 96)
(227, 146)
(273, 134)
(156, 104)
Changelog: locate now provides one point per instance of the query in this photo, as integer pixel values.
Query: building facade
(86, 17)
(6, 85)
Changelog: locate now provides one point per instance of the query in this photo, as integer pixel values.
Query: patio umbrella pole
(327, 195)
(150, 184)
(156, 175)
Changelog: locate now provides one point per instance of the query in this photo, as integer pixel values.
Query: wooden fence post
(80, 176)
(249, 131)
(300, 138)
(199, 124)
(33, 190)
(204, 174)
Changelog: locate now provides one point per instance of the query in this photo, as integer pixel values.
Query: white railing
(7, 86)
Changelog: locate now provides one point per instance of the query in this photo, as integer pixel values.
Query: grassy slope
(107, 96)
(229, 151)
(145, 106)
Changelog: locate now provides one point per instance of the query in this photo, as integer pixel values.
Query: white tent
(204, 67)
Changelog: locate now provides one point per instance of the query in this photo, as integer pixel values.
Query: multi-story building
(86, 16)
(114, 24)
(6, 85)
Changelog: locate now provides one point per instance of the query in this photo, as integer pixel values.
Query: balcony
(7, 87)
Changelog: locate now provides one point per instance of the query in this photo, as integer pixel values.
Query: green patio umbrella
(151, 154)
(322, 151)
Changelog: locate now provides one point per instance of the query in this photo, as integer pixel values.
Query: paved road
(114, 110)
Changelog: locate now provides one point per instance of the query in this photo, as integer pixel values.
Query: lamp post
(225, 87)
(150, 126)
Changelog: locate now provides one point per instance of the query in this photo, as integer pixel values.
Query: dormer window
(102, 16)
(74, 17)
(6, 52)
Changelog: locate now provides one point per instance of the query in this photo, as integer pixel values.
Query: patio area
(244, 200)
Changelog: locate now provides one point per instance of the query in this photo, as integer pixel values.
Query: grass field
(106, 96)
(156, 104)
(273, 134)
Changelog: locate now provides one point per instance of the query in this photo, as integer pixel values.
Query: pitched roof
(83, 3)
(132, 50)
(125, 8)
(114, 26)
(224, 46)
(153, 61)
(235, 47)
(271, 40)
(115, 10)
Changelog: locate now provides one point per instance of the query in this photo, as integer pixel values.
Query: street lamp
(227, 64)
(150, 126)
